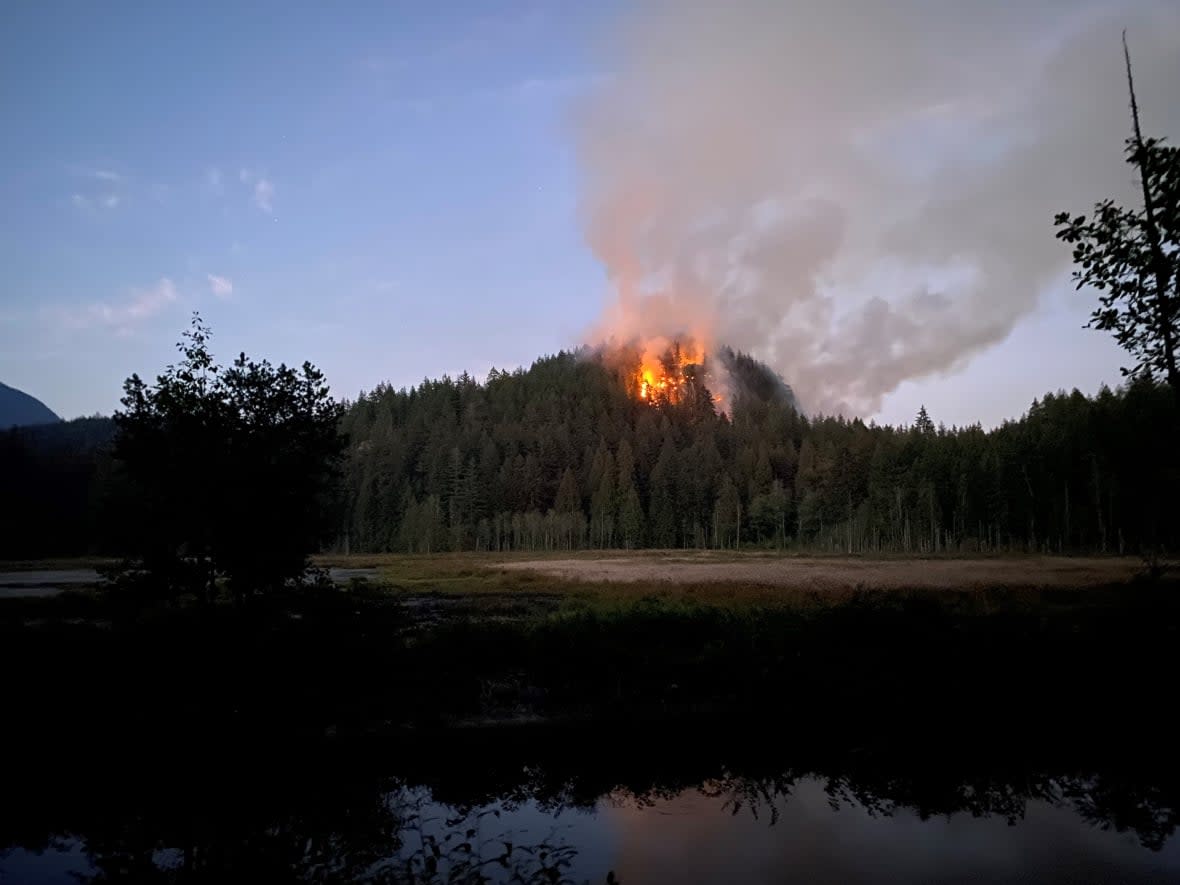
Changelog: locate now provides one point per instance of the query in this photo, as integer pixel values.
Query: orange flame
(667, 369)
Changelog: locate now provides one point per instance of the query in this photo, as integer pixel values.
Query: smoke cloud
(858, 193)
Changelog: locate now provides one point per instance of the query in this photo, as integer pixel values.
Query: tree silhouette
(233, 467)
(1132, 256)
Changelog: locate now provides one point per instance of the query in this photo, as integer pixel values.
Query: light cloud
(124, 315)
(104, 189)
(263, 188)
(383, 64)
(109, 176)
(96, 202)
(222, 287)
(213, 179)
(264, 192)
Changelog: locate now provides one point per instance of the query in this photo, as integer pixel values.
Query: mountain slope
(18, 409)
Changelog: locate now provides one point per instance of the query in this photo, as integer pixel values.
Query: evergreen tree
(630, 517)
(507, 465)
(923, 423)
(568, 500)
(727, 516)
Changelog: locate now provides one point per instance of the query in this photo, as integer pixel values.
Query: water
(580, 810)
(44, 582)
(50, 582)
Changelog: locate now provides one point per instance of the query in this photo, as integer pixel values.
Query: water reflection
(584, 809)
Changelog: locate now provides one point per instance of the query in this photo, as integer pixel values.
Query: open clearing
(821, 574)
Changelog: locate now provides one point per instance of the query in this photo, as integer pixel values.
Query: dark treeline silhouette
(564, 455)
(55, 485)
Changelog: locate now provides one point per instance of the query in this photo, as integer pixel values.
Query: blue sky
(389, 192)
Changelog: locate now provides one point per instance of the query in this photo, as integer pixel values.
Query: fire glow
(669, 371)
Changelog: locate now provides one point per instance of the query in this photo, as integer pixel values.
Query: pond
(50, 582)
(574, 808)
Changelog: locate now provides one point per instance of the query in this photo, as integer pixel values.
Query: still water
(592, 814)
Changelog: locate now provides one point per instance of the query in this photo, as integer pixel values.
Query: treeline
(563, 456)
(56, 487)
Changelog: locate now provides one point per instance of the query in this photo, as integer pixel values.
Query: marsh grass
(445, 639)
(492, 581)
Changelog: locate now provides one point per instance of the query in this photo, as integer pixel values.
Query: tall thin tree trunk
(1098, 502)
(1160, 265)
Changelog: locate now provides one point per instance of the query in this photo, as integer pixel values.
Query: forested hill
(565, 455)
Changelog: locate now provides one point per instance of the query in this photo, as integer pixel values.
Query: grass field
(829, 574)
(522, 584)
(593, 580)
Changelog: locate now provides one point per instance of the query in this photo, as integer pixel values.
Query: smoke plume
(856, 192)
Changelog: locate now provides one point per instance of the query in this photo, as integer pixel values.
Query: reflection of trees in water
(450, 824)
(761, 798)
(381, 832)
(442, 844)
(1148, 809)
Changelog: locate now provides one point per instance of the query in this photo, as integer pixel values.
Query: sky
(390, 191)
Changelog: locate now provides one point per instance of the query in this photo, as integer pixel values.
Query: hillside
(58, 487)
(566, 455)
(18, 409)
(572, 453)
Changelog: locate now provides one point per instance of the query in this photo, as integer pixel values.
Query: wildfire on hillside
(668, 371)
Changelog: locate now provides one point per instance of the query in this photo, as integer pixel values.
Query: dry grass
(829, 574)
(754, 580)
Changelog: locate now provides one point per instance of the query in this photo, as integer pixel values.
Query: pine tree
(923, 423)
(568, 500)
(727, 515)
(602, 507)
(662, 510)
(631, 517)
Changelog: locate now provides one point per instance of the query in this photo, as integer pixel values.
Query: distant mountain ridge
(19, 409)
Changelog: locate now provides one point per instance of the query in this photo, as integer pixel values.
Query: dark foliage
(231, 469)
(1132, 256)
(561, 456)
(56, 482)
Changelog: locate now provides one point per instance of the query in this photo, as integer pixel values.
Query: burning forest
(680, 370)
(665, 371)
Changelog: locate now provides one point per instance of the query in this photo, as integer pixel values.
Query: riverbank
(449, 642)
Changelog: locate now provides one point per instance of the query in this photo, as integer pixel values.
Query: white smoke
(858, 192)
